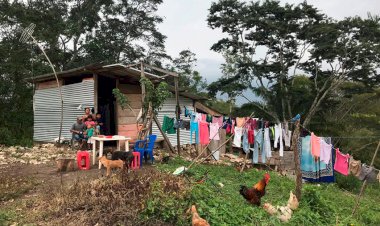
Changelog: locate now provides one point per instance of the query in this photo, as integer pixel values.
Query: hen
(254, 194)
(196, 219)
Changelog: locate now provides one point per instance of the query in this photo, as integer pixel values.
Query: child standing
(89, 121)
(88, 134)
(99, 124)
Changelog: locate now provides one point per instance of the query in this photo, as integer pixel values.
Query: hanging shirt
(218, 120)
(258, 143)
(240, 122)
(203, 117)
(209, 118)
(214, 131)
(355, 166)
(287, 137)
(267, 150)
(364, 172)
(168, 125)
(325, 151)
(315, 145)
(251, 137)
(245, 142)
(204, 135)
(198, 117)
(341, 162)
(237, 138)
(278, 138)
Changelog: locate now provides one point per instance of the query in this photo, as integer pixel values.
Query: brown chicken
(196, 219)
(254, 194)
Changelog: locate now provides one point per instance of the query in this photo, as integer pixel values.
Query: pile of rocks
(39, 154)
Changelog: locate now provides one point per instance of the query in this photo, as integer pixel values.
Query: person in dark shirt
(99, 123)
(77, 130)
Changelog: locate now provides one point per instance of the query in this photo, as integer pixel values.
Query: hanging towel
(168, 125)
(365, 172)
(237, 138)
(315, 145)
(355, 167)
(194, 129)
(204, 136)
(287, 137)
(258, 142)
(341, 162)
(325, 151)
(245, 142)
(214, 131)
(278, 138)
(240, 122)
(218, 120)
(251, 137)
(267, 147)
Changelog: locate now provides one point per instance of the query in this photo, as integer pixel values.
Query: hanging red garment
(251, 137)
(204, 135)
(341, 162)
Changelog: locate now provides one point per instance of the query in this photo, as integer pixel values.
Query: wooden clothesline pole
(365, 182)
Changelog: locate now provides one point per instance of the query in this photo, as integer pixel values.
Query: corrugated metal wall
(168, 109)
(47, 109)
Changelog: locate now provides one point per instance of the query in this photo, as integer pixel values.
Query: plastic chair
(135, 164)
(150, 146)
(140, 148)
(83, 160)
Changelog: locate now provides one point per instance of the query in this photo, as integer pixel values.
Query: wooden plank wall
(48, 84)
(126, 119)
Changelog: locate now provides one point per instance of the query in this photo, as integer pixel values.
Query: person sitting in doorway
(77, 130)
(99, 124)
(87, 112)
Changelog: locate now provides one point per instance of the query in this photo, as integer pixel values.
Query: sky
(186, 27)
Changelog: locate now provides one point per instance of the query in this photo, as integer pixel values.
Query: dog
(110, 164)
(126, 156)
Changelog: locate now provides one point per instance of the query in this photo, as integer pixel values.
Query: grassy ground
(320, 205)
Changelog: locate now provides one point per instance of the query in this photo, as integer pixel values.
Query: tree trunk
(297, 162)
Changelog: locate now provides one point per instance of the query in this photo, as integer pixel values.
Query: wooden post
(177, 113)
(365, 182)
(163, 134)
(297, 162)
(142, 86)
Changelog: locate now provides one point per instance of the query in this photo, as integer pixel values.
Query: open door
(106, 103)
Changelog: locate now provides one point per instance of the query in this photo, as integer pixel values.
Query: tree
(190, 79)
(273, 43)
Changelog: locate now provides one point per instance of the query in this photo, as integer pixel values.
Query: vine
(121, 99)
(155, 95)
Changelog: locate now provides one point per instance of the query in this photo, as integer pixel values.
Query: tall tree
(273, 43)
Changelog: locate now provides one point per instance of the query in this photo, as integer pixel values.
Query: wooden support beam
(163, 134)
(297, 161)
(365, 182)
(142, 85)
(177, 113)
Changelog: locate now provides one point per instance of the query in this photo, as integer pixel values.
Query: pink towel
(325, 152)
(204, 116)
(315, 145)
(214, 131)
(203, 133)
(218, 120)
(341, 162)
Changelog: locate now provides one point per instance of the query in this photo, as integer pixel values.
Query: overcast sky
(186, 27)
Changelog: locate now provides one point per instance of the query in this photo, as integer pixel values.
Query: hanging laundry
(233, 127)
(203, 117)
(178, 124)
(355, 167)
(237, 138)
(228, 128)
(187, 112)
(194, 129)
(258, 143)
(245, 142)
(198, 117)
(378, 176)
(214, 131)
(365, 171)
(341, 162)
(287, 137)
(267, 147)
(251, 137)
(278, 138)
(307, 160)
(325, 151)
(218, 120)
(168, 125)
(204, 136)
(253, 123)
(227, 121)
(240, 122)
(315, 145)
(209, 118)
(186, 124)
(271, 133)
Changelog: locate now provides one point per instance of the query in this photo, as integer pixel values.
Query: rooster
(254, 194)
(196, 219)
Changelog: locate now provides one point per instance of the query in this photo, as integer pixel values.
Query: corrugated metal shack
(91, 86)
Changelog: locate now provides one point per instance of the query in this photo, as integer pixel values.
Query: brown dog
(110, 164)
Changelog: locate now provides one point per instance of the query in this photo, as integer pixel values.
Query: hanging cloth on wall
(214, 131)
(218, 120)
(341, 162)
(168, 125)
(204, 135)
(278, 138)
(237, 137)
(251, 136)
(194, 128)
(208, 118)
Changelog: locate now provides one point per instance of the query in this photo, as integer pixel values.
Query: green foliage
(320, 205)
(121, 99)
(155, 95)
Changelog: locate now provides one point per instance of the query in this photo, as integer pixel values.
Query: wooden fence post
(297, 161)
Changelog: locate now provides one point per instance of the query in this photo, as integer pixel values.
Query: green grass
(326, 204)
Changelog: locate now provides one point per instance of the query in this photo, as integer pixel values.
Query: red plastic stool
(135, 164)
(83, 160)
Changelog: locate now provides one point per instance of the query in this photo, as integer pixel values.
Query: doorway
(106, 103)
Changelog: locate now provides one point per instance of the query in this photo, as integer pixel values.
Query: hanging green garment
(209, 118)
(168, 125)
